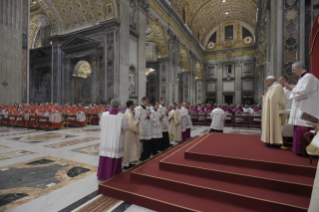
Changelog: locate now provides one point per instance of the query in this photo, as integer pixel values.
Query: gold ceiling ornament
(158, 37)
(183, 56)
(198, 70)
(82, 69)
(46, 9)
(174, 25)
(70, 15)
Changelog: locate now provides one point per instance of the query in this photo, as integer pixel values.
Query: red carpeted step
(236, 191)
(161, 199)
(248, 151)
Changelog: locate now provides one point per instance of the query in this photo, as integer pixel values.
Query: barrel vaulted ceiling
(203, 15)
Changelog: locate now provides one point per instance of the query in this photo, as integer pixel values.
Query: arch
(155, 33)
(49, 10)
(36, 22)
(82, 69)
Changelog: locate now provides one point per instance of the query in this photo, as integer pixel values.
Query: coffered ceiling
(203, 15)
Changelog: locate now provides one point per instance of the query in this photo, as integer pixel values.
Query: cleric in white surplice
(305, 98)
(113, 128)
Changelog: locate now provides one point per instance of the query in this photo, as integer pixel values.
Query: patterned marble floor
(56, 171)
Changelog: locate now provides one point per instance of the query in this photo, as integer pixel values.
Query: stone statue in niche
(133, 14)
(132, 81)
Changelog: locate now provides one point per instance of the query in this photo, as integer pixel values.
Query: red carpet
(218, 172)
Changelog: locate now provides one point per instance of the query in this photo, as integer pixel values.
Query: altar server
(113, 128)
(273, 101)
(184, 113)
(305, 98)
(218, 117)
(132, 144)
(143, 112)
(156, 129)
(175, 128)
(164, 124)
(189, 123)
(283, 80)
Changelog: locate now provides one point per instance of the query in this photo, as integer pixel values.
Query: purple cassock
(109, 167)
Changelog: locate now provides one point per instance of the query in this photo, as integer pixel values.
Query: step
(159, 198)
(248, 151)
(244, 195)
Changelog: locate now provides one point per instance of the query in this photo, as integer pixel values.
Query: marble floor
(56, 171)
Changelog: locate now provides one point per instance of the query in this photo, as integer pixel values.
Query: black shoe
(128, 167)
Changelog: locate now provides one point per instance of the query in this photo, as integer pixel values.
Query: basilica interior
(192, 51)
(93, 51)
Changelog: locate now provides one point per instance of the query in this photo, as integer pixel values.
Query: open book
(309, 118)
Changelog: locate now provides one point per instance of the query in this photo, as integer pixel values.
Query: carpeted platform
(218, 172)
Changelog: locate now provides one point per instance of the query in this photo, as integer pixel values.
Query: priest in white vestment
(184, 113)
(143, 112)
(283, 80)
(132, 144)
(163, 110)
(189, 123)
(175, 128)
(156, 129)
(113, 128)
(218, 117)
(273, 101)
(305, 98)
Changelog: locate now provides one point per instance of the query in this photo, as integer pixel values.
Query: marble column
(273, 39)
(192, 89)
(124, 56)
(13, 70)
(170, 69)
(163, 77)
(238, 87)
(141, 27)
(219, 73)
(204, 82)
(68, 77)
(280, 22)
(302, 31)
(94, 79)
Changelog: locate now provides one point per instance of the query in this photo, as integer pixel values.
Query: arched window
(246, 33)
(213, 38)
(184, 15)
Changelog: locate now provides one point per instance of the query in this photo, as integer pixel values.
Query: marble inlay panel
(90, 150)
(31, 179)
(3, 147)
(94, 130)
(13, 154)
(72, 142)
(33, 139)
(18, 133)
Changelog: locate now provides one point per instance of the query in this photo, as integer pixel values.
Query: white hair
(271, 77)
(115, 103)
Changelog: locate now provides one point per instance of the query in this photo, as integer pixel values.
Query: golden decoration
(184, 57)
(82, 69)
(158, 37)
